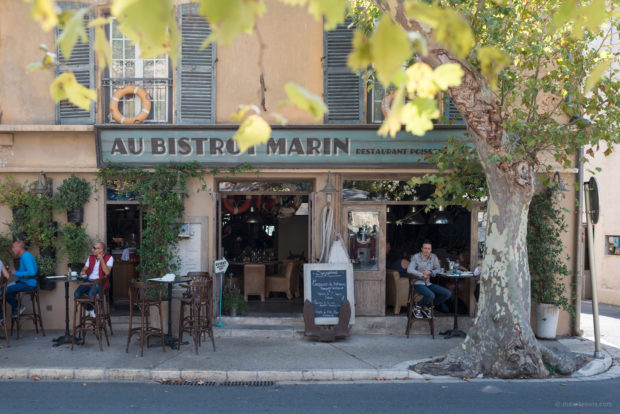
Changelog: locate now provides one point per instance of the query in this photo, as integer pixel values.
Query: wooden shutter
(451, 113)
(82, 65)
(196, 71)
(342, 88)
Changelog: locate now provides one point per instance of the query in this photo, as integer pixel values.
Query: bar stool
(106, 307)
(3, 283)
(413, 298)
(34, 316)
(145, 297)
(199, 321)
(96, 324)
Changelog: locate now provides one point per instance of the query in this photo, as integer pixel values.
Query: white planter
(546, 320)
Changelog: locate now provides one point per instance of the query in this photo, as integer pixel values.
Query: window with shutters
(128, 68)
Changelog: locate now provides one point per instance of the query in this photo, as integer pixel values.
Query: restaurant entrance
(264, 233)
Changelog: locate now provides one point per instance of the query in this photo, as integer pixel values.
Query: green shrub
(73, 193)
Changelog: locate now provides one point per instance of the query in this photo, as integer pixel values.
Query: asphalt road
(430, 397)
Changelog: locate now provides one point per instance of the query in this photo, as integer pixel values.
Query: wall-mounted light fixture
(178, 188)
(43, 186)
(329, 188)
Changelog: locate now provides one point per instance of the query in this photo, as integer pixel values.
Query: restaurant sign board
(296, 146)
(327, 286)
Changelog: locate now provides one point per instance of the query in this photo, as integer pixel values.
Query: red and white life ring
(234, 209)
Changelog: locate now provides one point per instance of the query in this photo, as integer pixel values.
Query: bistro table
(67, 337)
(170, 340)
(454, 332)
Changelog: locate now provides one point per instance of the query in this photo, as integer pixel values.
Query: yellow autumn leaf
(65, 86)
(418, 115)
(242, 111)
(279, 118)
(100, 21)
(150, 24)
(392, 123)
(420, 80)
(596, 74)
(230, 18)
(390, 49)
(102, 48)
(73, 30)
(595, 14)
(492, 61)
(447, 75)
(361, 55)
(44, 11)
(332, 10)
(253, 131)
(305, 100)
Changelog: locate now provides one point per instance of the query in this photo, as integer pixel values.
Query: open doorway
(265, 236)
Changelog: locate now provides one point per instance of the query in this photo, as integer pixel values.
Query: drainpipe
(579, 248)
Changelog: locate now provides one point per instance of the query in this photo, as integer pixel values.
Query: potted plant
(6, 255)
(547, 269)
(75, 245)
(71, 195)
(233, 304)
(13, 194)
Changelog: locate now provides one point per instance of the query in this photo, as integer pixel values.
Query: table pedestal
(67, 338)
(169, 339)
(455, 332)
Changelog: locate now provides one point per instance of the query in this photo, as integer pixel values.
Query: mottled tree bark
(501, 342)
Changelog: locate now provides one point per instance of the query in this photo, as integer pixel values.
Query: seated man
(98, 265)
(424, 265)
(26, 277)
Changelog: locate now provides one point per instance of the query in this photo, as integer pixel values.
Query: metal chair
(34, 315)
(413, 297)
(145, 297)
(199, 320)
(87, 323)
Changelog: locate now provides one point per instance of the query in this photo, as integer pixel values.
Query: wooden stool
(106, 309)
(87, 322)
(199, 321)
(413, 297)
(3, 283)
(145, 297)
(34, 316)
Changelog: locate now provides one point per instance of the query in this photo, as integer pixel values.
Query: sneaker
(91, 313)
(427, 312)
(417, 312)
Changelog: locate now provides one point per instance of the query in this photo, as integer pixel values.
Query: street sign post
(592, 212)
(220, 266)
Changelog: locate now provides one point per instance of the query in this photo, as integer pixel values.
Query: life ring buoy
(269, 203)
(386, 103)
(130, 90)
(237, 209)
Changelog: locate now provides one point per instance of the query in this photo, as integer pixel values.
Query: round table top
(177, 279)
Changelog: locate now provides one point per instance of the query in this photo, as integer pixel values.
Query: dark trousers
(11, 290)
(88, 291)
(432, 293)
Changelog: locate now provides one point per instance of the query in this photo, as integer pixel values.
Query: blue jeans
(432, 293)
(19, 286)
(88, 291)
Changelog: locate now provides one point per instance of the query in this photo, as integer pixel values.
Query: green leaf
(332, 10)
(230, 18)
(492, 61)
(390, 49)
(447, 75)
(102, 48)
(253, 131)
(74, 29)
(596, 74)
(150, 24)
(392, 123)
(100, 21)
(44, 11)
(305, 100)
(420, 80)
(65, 86)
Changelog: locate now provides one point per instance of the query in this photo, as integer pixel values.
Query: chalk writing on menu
(329, 291)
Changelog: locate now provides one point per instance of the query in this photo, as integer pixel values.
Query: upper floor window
(128, 68)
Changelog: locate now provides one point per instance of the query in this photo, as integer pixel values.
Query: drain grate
(180, 382)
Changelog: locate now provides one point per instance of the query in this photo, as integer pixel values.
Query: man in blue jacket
(26, 277)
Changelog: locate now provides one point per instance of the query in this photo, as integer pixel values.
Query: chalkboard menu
(327, 287)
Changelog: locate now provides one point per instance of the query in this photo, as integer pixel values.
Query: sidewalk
(266, 355)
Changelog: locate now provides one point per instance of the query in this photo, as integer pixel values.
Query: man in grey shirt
(423, 265)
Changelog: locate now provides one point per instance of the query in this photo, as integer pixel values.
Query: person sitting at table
(423, 265)
(98, 265)
(26, 277)
(399, 262)
(12, 288)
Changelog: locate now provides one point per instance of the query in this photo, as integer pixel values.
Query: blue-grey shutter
(82, 65)
(342, 88)
(196, 71)
(451, 113)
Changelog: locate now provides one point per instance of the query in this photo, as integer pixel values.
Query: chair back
(140, 292)
(198, 275)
